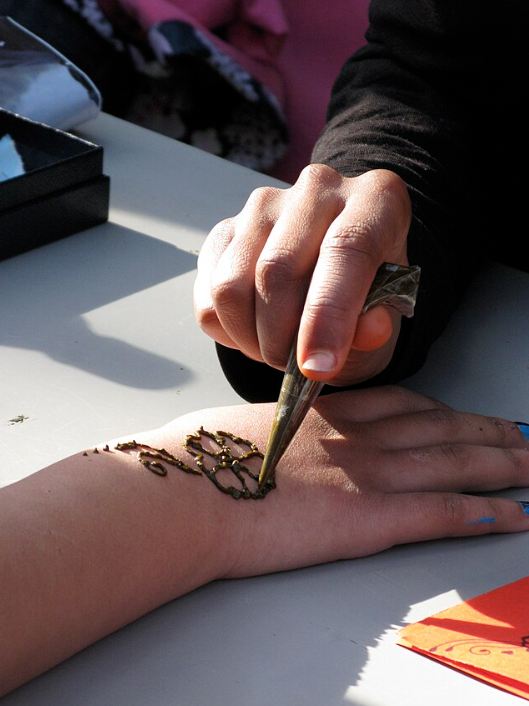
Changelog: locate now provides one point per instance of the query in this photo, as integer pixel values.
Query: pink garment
(321, 38)
(295, 48)
(255, 30)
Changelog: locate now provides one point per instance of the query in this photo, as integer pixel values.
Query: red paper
(486, 637)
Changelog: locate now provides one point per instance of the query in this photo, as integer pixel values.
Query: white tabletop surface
(97, 339)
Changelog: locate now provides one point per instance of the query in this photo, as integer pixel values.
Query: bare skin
(94, 541)
(306, 256)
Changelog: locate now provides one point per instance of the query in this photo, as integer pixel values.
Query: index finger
(371, 228)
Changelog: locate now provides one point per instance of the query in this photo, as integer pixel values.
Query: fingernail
(525, 506)
(320, 362)
(524, 428)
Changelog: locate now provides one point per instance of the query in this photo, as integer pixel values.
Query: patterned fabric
(206, 71)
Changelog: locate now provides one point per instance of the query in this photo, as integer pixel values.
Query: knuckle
(206, 318)
(227, 294)
(218, 239)
(222, 232)
(440, 416)
(457, 456)
(400, 396)
(318, 173)
(453, 508)
(517, 465)
(324, 304)
(492, 508)
(391, 192)
(383, 180)
(223, 226)
(262, 197)
(437, 404)
(358, 239)
(500, 427)
(386, 184)
(273, 273)
(407, 399)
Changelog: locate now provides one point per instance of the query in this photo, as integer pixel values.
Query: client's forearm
(93, 542)
(96, 540)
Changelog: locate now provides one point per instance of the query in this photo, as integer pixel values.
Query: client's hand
(371, 469)
(96, 540)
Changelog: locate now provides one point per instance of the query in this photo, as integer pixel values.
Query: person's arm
(97, 540)
(432, 105)
(435, 97)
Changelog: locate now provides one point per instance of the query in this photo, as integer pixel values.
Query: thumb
(373, 330)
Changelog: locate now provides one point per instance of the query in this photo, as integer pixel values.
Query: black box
(51, 184)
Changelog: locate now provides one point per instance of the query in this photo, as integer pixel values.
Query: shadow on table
(44, 294)
(294, 638)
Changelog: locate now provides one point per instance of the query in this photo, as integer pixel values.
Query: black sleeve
(436, 95)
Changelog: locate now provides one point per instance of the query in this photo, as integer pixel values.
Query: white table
(98, 339)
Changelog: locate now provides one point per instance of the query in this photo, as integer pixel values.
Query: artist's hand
(327, 231)
(368, 470)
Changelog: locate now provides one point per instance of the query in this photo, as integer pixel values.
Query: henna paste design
(224, 460)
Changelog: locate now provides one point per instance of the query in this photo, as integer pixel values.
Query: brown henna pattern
(222, 458)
